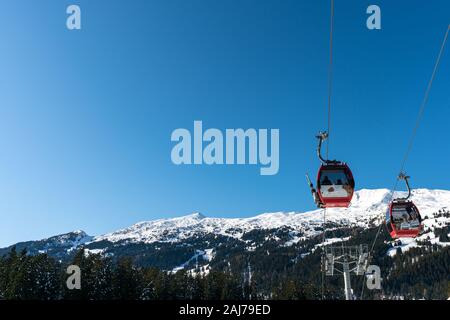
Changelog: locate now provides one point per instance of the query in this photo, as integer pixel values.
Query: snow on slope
(206, 255)
(368, 207)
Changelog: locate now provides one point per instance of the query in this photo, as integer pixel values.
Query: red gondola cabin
(335, 185)
(403, 219)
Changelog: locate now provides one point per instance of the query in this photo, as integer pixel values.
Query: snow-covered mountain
(193, 235)
(58, 246)
(368, 208)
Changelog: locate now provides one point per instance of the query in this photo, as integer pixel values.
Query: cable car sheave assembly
(403, 218)
(335, 183)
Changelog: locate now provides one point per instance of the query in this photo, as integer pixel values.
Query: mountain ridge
(147, 238)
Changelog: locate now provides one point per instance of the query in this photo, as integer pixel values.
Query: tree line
(40, 277)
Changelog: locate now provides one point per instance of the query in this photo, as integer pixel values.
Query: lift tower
(345, 260)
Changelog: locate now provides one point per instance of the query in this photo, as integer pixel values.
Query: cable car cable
(412, 138)
(330, 74)
(424, 101)
(323, 252)
(330, 90)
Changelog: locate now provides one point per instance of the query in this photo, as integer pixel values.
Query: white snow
(368, 208)
(206, 254)
(332, 240)
(406, 244)
(80, 239)
(88, 252)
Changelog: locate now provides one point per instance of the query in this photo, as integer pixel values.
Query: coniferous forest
(269, 272)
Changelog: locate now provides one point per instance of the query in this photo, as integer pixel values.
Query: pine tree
(96, 277)
(127, 280)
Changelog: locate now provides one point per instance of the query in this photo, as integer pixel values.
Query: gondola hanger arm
(322, 136)
(403, 176)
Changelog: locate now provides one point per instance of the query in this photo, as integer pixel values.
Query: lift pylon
(345, 260)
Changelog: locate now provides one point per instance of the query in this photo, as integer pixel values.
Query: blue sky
(86, 116)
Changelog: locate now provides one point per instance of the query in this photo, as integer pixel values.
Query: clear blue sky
(86, 116)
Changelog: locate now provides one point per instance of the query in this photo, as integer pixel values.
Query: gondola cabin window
(335, 183)
(405, 217)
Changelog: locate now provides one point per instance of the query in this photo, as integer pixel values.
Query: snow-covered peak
(78, 236)
(368, 206)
